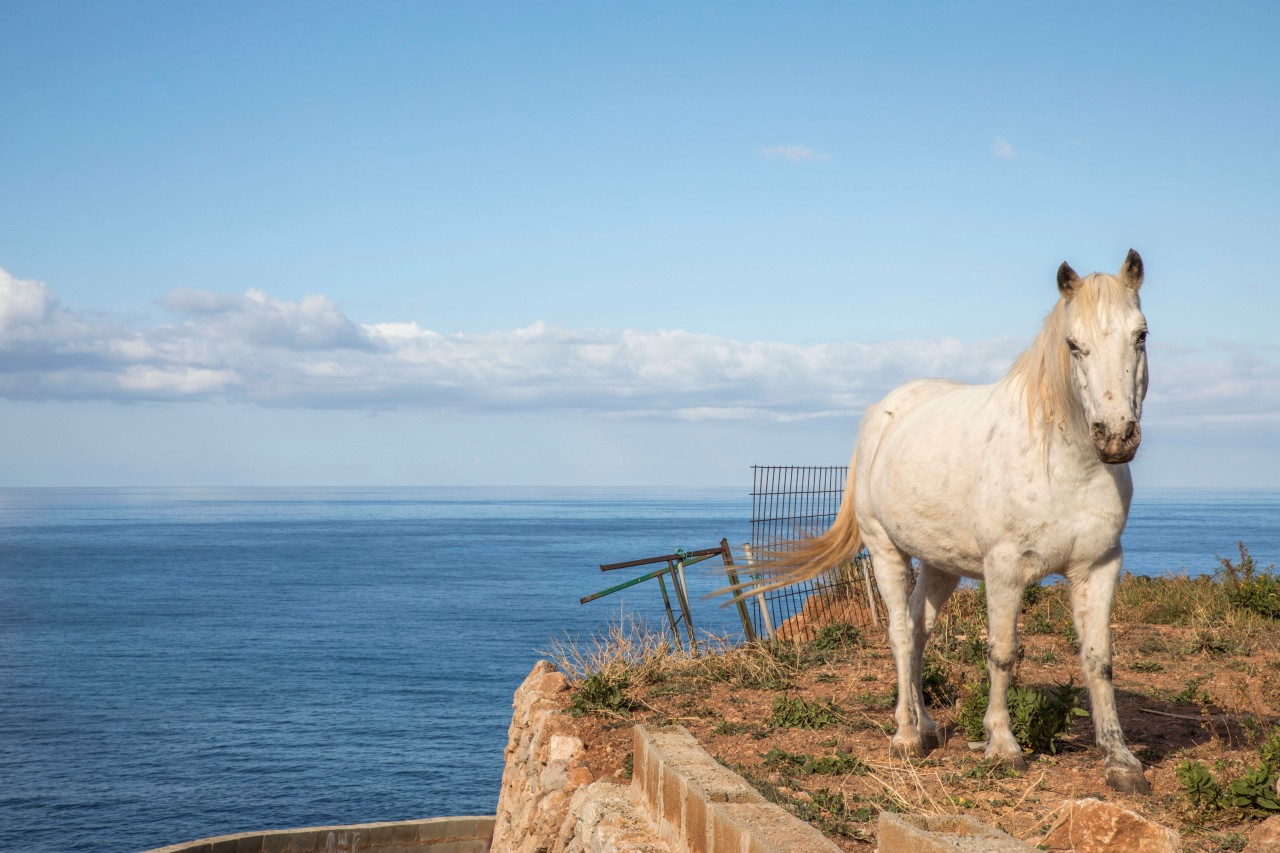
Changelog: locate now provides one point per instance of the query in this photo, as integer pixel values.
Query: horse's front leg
(933, 588)
(1091, 599)
(1004, 598)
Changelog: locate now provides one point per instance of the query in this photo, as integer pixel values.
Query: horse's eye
(1073, 346)
(1142, 339)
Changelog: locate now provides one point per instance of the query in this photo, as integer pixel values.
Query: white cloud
(794, 153)
(1003, 149)
(308, 354)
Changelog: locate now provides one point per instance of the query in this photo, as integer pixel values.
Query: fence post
(732, 573)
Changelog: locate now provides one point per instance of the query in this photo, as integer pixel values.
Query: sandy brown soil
(1215, 705)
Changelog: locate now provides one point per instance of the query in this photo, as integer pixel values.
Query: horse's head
(1106, 337)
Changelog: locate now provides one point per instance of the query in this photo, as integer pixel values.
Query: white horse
(1008, 482)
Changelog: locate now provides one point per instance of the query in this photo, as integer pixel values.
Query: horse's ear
(1068, 281)
(1131, 271)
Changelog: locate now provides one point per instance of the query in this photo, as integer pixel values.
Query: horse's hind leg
(1091, 599)
(932, 590)
(892, 568)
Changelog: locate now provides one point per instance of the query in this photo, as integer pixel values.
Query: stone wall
(545, 766)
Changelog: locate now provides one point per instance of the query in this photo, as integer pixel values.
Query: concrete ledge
(901, 833)
(701, 806)
(470, 834)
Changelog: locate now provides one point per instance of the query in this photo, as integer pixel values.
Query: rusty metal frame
(674, 569)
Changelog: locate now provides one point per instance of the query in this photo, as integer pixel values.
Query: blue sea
(177, 663)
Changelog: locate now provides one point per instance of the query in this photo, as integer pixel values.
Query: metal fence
(788, 503)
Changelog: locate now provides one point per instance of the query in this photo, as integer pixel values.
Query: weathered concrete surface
(1092, 826)
(901, 833)
(604, 818)
(703, 807)
(433, 835)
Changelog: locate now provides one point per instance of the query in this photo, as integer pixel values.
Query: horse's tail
(809, 556)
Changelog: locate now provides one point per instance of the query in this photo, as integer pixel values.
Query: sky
(610, 244)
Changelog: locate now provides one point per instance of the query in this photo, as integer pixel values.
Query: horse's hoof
(930, 740)
(1128, 781)
(907, 749)
(1014, 762)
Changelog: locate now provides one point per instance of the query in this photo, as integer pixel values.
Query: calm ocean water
(182, 663)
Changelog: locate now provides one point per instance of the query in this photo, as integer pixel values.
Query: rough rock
(1092, 826)
(544, 764)
(1265, 837)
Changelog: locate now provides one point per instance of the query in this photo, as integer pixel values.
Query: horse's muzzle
(1116, 448)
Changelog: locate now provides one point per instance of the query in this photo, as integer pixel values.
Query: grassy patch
(798, 713)
(603, 692)
(806, 764)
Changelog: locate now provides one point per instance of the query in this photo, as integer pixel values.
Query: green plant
(1233, 842)
(837, 637)
(1191, 694)
(1214, 641)
(972, 649)
(973, 709)
(1254, 793)
(805, 764)
(1147, 666)
(1198, 784)
(1037, 623)
(796, 713)
(827, 810)
(604, 691)
(724, 727)
(1073, 639)
(937, 687)
(1038, 718)
(990, 768)
(1270, 750)
(1250, 588)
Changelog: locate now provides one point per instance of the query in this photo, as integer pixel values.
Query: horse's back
(949, 471)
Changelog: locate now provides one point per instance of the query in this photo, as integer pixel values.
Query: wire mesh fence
(789, 503)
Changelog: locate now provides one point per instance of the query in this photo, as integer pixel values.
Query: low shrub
(1038, 717)
(603, 692)
(837, 637)
(796, 713)
(806, 764)
(1254, 793)
(1199, 785)
(1249, 588)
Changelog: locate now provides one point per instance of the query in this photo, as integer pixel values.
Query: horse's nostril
(1099, 429)
(1130, 426)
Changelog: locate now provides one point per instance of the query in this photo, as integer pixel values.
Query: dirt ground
(1181, 696)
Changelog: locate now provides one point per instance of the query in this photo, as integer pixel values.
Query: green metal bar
(602, 593)
(671, 617)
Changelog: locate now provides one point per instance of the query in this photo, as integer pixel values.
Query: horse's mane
(1043, 372)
